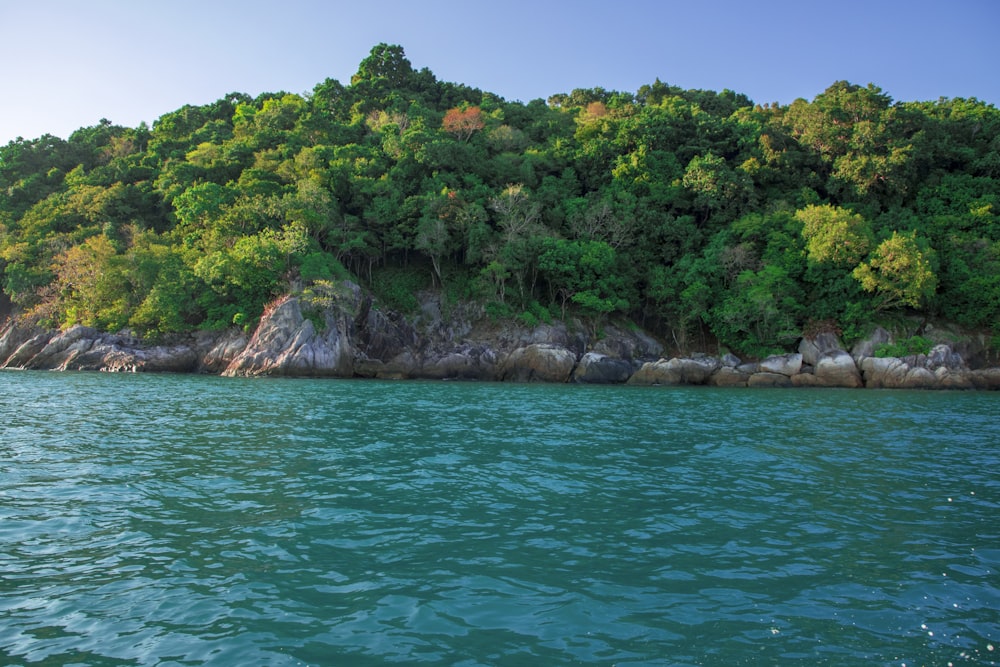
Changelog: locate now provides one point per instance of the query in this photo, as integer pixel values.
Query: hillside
(697, 215)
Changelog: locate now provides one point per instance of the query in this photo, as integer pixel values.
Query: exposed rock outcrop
(286, 343)
(347, 336)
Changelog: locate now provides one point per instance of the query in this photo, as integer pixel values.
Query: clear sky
(69, 63)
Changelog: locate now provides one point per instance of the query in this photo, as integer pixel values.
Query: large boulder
(812, 348)
(883, 372)
(539, 362)
(985, 378)
(836, 368)
(782, 364)
(676, 371)
(660, 372)
(66, 346)
(942, 356)
(729, 376)
(596, 368)
(894, 373)
(466, 362)
(628, 345)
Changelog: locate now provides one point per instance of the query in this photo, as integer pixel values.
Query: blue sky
(69, 63)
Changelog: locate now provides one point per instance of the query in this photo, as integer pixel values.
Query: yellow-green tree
(834, 235)
(898, 272)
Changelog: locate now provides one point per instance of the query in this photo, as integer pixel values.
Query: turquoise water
(182, 520)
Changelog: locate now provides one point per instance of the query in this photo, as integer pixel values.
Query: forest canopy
(699, 215)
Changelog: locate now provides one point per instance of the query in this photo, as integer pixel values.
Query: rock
(836, 368)
(468, 363)
(728, 376)
(627, 345)
(731, 360)
(985, 378)
(285, 343)
(27, 350)
(942, 356)
(223, 350)
(698, 370)
(538, 363)
(596, 368)
(784, 364)
(157, 359)
(865, 347)
(953, 379)
(807, 380)
(64, 347)
(661, 372)
(814, 347)
(919, 378)
(883, 373)
(676, 371)
(401, 367)
(769, 379)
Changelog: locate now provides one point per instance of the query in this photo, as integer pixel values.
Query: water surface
(184, 520)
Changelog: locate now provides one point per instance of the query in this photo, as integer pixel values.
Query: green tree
(584, 272)
(716, 189)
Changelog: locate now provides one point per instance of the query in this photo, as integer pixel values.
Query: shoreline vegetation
(401, 226)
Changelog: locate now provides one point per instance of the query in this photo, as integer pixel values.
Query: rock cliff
(348, 336)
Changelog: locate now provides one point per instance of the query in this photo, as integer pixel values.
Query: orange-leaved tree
(463, 123)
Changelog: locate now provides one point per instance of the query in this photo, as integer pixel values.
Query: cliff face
(350, 337)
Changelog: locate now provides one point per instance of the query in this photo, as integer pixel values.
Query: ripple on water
(276, 522)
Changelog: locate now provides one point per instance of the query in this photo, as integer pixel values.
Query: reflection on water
(176, 520)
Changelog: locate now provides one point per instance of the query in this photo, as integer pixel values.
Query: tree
(463, 123)
(89, 287)
(834, 235)
(583, 272)
(899, 273)
(759, 313)
(716, 188)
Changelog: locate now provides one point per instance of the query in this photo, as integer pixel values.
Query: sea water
(191, 520)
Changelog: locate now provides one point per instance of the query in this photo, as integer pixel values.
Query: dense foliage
(697, 214)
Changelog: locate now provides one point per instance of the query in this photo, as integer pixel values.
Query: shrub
(908, 347)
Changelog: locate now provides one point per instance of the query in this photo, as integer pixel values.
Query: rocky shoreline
(349, 337)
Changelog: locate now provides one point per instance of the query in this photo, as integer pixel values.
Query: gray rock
(728, 376)
(942, 356)
(783, 364)
(466, 363)
(596, 368)
(865, 347)
(812, 348)
(676, 371)
(223, 350)
(26, 351)
(661, 372)
(837, 369)
(285, 343)
(731, 360)
(538, 363)
(985, 378)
